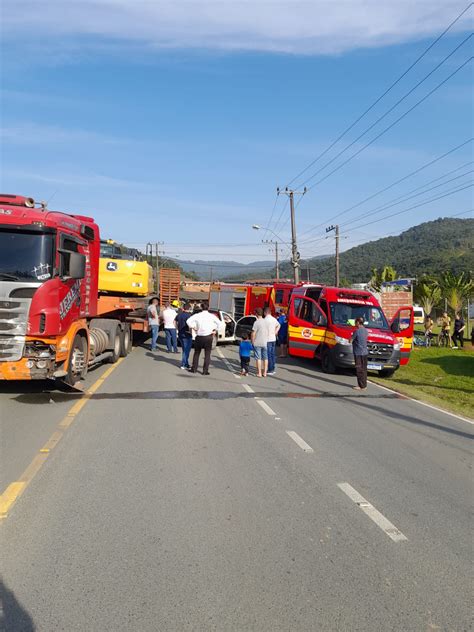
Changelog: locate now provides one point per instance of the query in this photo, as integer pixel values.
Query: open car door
(402, 326)
(306, 327)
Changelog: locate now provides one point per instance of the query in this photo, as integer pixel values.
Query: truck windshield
(345, 314)
(26, 256)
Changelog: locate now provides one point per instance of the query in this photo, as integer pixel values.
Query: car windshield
(26, 256)
(345, 314)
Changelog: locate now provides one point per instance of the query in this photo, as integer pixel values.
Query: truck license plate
(374, 367)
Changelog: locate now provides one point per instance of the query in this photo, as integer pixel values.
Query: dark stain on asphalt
(48, 398)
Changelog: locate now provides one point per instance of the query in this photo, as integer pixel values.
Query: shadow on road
(13, 617)
(396, 415)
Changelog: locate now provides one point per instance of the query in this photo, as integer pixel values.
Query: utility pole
(277, 262)
(295, 255)
(157, 263)
(307, 271)
(336, 229)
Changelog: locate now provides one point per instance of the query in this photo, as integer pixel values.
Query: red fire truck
(53, 321)
(321, 321)
(242, 299)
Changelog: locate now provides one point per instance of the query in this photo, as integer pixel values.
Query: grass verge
(442, 377)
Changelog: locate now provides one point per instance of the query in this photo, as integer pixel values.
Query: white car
(231, 330)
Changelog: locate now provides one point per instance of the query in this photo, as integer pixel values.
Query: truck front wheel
(77, 365)
(327, 362)
(386, 372)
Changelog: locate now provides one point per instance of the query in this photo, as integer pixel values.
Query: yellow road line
(9, 496)
(15, 489)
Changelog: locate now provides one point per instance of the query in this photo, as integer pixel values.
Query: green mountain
(429, 248)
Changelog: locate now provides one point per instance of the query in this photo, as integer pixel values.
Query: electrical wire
(404, 198)
(384, 131)
(412, 65)
(407, 94)
(390, 186)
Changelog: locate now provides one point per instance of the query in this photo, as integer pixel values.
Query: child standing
(245, 350)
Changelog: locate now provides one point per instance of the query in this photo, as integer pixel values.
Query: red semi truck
(54, 323)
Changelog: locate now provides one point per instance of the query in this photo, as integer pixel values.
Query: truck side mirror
(77, 266)
(395, 326)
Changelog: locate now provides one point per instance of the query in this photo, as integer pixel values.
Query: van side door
(306, 327)
(402, 327)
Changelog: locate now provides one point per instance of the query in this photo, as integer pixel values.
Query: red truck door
(402, 326)
(306, 326)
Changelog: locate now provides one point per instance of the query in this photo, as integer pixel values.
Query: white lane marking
(248, 388)
(227, 363)
(417, 401)
(299, 441)
(375, 515)
(265, 407)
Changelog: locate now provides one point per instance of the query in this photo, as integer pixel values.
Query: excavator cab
(122, 270)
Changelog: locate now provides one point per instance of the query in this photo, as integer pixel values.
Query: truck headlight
(342, 341)
(397, 346)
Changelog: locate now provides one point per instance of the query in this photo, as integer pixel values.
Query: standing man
(458, 334)
(153, 321)
(283, 334)
(360, 350)
(205, 325)
(184, 335)
(444, 336)
(168, 317)
(260, 343)
(273, 328)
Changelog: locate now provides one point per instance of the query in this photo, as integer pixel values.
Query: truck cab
(322, 328)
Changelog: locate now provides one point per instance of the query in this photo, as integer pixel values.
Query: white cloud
(288, 26)
(33, 133)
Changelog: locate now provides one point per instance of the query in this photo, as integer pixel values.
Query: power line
(384, 131)
(271, 216)
(406, 196)
(412, 65)
(388, 111)
(390, 186)
(423, 203)
(448, 193)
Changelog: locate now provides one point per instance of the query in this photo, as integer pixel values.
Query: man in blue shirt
(360, 350)
(184, 335)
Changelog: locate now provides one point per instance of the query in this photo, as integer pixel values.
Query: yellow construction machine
(123, 270)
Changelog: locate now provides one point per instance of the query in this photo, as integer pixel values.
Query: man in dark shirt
(184, 335)
(360, 350)
(458, 335)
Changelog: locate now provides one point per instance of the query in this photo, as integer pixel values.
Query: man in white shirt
(168, 317)
(273, 328)
(205, 325)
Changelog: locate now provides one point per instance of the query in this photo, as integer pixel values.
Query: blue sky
(176, 123)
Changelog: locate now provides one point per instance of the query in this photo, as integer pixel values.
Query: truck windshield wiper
(8, 277)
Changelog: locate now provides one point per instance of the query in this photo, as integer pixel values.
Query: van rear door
(306, 327)
(402, 326)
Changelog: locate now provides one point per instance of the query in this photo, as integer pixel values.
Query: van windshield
(345, 314)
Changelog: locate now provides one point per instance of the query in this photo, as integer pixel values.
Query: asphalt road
(186, 502)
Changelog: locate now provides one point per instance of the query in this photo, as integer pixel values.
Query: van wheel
(117, 346)
(77, 365)
(386, 372)
(327, 362)
(125, 341)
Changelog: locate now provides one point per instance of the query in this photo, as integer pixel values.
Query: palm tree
(378, 277)
(428, 294)
(456, 288)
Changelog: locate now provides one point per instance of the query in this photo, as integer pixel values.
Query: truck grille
(379, 351)
(13, 319)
